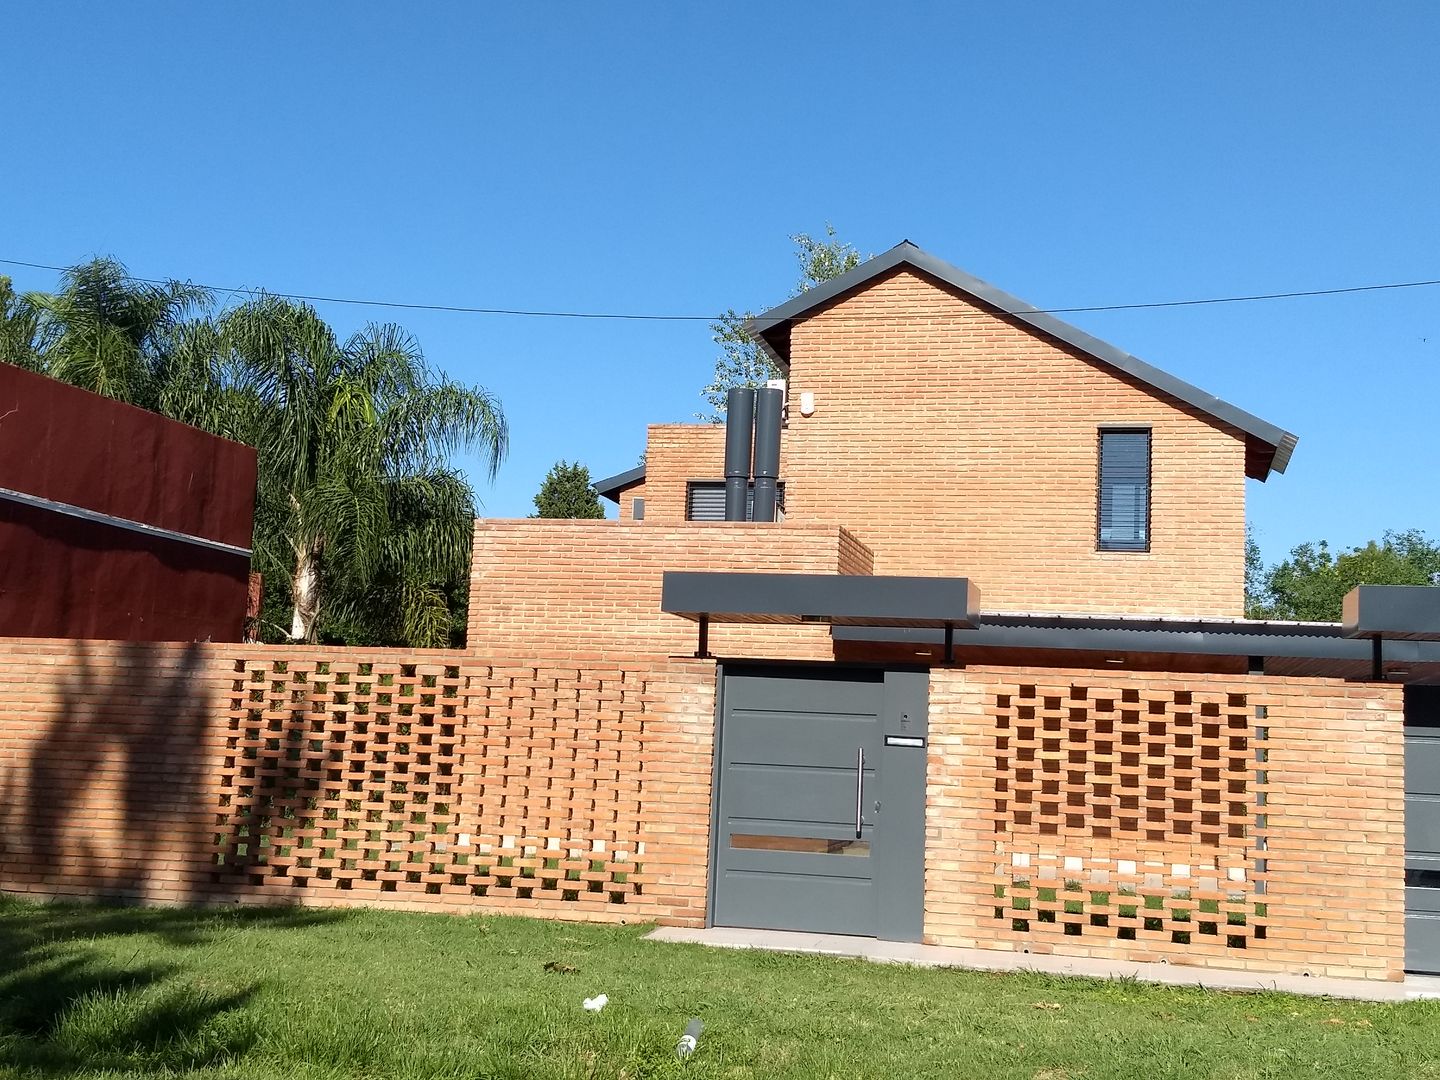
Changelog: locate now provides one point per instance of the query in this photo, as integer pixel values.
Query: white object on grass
(595, 1004)
(686, 1046)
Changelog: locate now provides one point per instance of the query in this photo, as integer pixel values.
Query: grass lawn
(299, 994)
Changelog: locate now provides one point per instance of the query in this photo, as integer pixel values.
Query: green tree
(1257, 599)
(362, 526)
(1311, 584)
(822, 259)
(357, 496)
(742, 362)
(19, 328)
(567, 493)
(107, 332)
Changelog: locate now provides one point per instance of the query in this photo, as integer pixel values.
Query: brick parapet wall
(675, 454)
(1241, 822)
(582, 588)
(404, 778)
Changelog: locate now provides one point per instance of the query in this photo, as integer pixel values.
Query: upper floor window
(705, 500)
(1123, 520)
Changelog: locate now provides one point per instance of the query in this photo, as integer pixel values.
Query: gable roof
(611, 487)
(1267, 447)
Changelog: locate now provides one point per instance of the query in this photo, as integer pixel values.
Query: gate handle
(859, 786)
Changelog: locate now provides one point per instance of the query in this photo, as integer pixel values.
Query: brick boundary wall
(1226, 821)
(171, 773)
(1236, 822)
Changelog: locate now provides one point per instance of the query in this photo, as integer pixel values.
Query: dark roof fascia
(1392, 612)
(611, 487)
(1158, 636)
(853, 599)
(775, 324)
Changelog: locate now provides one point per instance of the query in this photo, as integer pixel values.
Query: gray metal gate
(1422, 828)
(820, 813)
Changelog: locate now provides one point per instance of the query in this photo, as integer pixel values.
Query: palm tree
(358, 510)
(19, 329)
(107, 332)
(354, 441)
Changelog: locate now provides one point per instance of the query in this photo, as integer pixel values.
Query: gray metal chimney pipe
(769, 406)
(739, 431)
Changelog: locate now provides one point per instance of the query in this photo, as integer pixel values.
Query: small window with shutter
(1123, 518)
(705, 500)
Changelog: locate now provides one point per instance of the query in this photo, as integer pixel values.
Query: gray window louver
(1123, 518)
(705, 500)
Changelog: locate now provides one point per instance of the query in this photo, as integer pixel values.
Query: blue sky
(655, 157)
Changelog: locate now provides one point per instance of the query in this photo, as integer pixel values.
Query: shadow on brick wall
(113, 800)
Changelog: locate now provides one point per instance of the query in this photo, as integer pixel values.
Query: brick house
(987, 681)
(966, 664)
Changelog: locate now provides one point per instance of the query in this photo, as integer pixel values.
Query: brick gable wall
(953, 441)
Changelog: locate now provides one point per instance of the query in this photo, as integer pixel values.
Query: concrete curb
(1415, 987)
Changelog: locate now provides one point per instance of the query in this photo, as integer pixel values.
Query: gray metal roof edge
(1170, 624)
(758, 326)
(1151, 640)
(128, 524)
(611, 486)
(1393, 612)
(815, 596)
(1131, 620)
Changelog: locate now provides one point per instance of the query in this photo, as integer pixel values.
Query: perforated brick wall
(340, 776)
(1251, 822)
(1234, 822)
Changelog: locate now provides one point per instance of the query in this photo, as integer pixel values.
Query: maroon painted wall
(62, 576)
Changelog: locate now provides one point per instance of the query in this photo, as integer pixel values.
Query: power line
(641, 317)
(402, 304)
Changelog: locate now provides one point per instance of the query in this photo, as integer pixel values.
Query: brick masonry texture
(954, 441)
(1240, 822)
(1245, 822)
(592, 588)
(561, 763)
(676, 454)
(627, 500)
(208, 773)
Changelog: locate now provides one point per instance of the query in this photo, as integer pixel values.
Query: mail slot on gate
(904, 740)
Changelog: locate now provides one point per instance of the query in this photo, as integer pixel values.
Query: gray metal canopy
(928, 611)
(838, 599)
(1392, 612)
